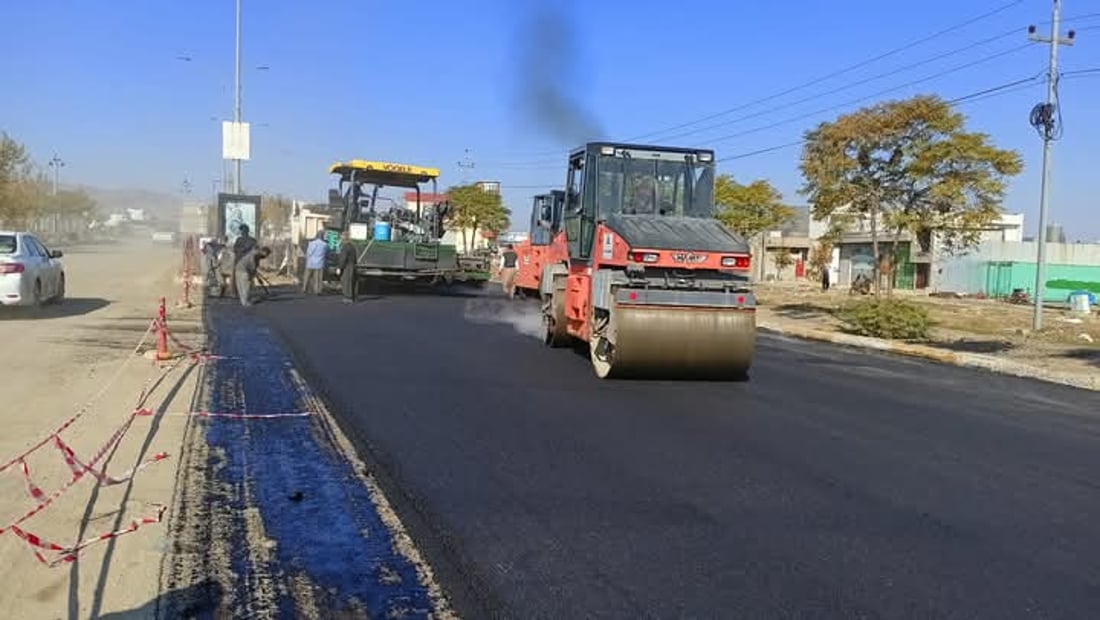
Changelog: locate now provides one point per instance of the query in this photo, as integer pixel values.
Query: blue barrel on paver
(381, 231)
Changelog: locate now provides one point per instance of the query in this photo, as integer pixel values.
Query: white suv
(30, 273)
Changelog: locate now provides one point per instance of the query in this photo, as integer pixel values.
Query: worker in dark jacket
(244, 244)
(345, 262)
(508, 271)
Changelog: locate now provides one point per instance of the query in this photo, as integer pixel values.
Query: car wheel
(60, 290)
(36, 300)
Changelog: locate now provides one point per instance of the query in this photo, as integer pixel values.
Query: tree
(275, 213)
(909, 165)
(750, 209)
(782, 259)
(474, 209)
(18, 195)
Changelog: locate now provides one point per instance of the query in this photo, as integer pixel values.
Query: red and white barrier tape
(248, 416)
(229, 414)
(70, 554)
(79, 468)
(85, 408)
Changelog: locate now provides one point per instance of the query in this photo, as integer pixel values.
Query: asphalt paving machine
(651, 281)
(399, 242)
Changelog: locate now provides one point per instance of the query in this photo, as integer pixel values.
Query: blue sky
(420, 82)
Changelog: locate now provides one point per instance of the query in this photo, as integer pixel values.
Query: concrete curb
(992, 363)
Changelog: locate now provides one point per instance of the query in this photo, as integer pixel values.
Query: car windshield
(7, 244)
(655, 187)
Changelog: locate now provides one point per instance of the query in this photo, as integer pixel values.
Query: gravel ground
(1067, 343)
(78, 353)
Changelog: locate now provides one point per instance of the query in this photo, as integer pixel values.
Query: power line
(539, 161)
(828, 76)
(845, 87)
(876, 95)
(984, 59)
(970, 97)
(848, 69)
(1001, 89)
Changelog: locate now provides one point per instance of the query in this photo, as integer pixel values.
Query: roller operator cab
(651, 281)
(541, 247)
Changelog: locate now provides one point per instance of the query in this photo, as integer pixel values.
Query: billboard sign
(237, 209)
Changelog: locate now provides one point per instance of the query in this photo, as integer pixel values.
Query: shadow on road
(1085, 354)
(198, 601)
(285, 292)
(976, 346)
(804, 311)
(73, 306)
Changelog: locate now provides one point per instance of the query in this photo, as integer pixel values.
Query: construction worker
(225, 268)
(315, 263)
(508, 271)
(345, 264)
(246, 269)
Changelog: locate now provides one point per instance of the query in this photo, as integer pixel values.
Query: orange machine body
(612, 251)
(545, 244)
(642, 271)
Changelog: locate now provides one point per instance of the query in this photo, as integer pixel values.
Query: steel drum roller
(678, 342)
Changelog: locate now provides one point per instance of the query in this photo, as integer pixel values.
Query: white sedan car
(30, 273)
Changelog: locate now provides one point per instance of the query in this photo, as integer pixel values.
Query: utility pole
(237, 97)
(56, 164)
(1043, 118)
(466, 164)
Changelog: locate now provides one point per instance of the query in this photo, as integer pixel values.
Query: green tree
(782, 259)
(18, 194)
(275, 212)
(474, 209)
(908, 165)
(750, 209)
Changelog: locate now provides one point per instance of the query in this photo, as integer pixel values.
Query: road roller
(542, 246)
(650, 283)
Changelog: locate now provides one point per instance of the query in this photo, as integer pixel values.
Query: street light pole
(1043, 118)
(56, 164)
(237, 97)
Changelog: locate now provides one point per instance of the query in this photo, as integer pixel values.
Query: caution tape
(186, 350)
(248, 416)
(79, 468)
(230, 414)
(70, 554)
(84, 409)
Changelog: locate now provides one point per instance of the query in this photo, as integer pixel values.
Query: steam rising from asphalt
(547, 63)
(524, 316)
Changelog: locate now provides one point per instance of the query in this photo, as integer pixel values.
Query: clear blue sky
(419, 82)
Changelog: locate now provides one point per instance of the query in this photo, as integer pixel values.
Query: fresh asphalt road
(832, 484)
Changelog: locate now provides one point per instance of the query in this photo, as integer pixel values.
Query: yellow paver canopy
(384, 173)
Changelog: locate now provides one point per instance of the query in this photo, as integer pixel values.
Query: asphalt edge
(953, 358)
(465, 592)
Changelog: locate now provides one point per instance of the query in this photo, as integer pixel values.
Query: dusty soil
(84, 353)
(1067, 343)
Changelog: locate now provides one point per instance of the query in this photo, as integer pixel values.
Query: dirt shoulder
(79, 356)
(1067, 344)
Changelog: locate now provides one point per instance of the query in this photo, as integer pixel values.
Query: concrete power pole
(56, 164)
(237, 185)
(1046, 119)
